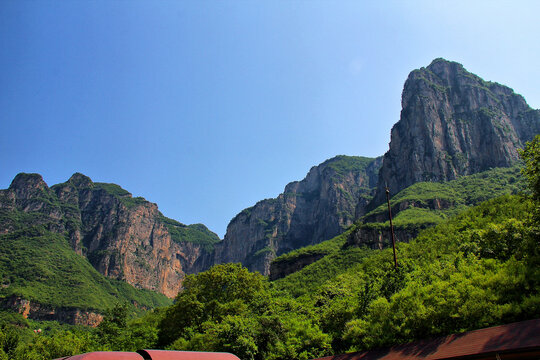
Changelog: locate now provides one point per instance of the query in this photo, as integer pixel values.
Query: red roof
(105, 355)
(152, 355)
(513, 341)
(185, 355)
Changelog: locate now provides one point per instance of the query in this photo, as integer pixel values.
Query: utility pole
(391, 225)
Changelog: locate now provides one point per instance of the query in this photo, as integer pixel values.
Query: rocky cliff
(453, 123)
(307, 212)
(123, 237)
(69, 315)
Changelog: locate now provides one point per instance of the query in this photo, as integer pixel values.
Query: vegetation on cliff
(195, 233)
(97, 225)
(40, 266)
(420, 206)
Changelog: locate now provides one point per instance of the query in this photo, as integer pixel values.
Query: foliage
(210, 296)
(531, 156)
(342, 164)
(230, 309)
(123, 195)
(311, 277)
(432, 202)
(473, 270)
(196, 233)
(324, 248)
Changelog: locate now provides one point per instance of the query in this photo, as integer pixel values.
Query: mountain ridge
(123, 237)
(316, 208)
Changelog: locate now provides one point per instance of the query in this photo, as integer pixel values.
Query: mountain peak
(81, 181)
(25, 181)
(441, 62)
(453, 123)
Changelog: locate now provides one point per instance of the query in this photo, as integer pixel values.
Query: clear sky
(206, 107)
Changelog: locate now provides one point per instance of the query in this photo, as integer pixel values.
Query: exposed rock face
(379, 238)
(453, 123)
(32, 310)
(308, 212)
(123, 237)
(281, 269)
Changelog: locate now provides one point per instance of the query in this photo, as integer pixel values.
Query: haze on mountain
(207, 108)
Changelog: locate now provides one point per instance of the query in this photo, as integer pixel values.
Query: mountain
(122, 237)
(44, 279)
(415, 208)
(315, 209)
(453, 123)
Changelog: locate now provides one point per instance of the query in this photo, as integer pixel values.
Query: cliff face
(32, 310)
(308, 212)
(123, 237)
(453, 123)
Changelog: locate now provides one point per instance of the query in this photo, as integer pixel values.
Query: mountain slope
(417, 207)
(124, 238)
(308, 212)
(474, 270)
(43, 278)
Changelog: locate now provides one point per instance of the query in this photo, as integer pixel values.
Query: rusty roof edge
(516, 336)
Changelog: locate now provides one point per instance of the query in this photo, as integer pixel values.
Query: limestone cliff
(123, 237)
(307, 212)
(453, 123)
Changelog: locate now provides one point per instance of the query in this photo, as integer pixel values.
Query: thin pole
(391, 226)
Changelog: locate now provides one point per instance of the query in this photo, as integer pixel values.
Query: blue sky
(206, 107)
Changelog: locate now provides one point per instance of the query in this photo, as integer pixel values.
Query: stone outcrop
(453, 123)
(308, 212)
(123, 237)
(36, 311)
(379, 237)
(280, 269)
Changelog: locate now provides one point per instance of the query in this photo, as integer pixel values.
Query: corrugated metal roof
(185, 355)
(152, 355)
(505, 340)
(105, 355)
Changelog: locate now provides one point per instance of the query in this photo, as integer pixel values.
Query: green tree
(531, 156)
(9, 340)
(113, 327)
(223, 290)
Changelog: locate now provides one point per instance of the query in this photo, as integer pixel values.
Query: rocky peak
(28, 192)
(28, 185)
(81, 181)
(123, 237)
(453, 123)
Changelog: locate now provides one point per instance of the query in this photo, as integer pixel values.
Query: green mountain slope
(40, 266)
(431, 202)
(419, 206)
(474, 270)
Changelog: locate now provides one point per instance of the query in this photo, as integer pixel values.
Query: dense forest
(475, 268)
